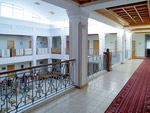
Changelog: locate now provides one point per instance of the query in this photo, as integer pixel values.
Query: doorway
(133, 48)
(147, 45)
(10, 45)
(96, 47)
(10, 68)
(30, 44)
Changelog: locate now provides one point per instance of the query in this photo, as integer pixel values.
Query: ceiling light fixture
(37, 3)
(51, 12)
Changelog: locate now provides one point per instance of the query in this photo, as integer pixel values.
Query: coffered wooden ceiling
(135, 14)
(140, 29)
(83, 1)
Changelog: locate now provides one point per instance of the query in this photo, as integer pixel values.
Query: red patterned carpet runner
(135, 95)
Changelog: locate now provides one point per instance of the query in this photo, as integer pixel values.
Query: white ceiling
(43, 9)
(59, 7)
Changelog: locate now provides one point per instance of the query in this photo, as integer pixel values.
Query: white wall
(140, 44)
(25, 65)
(110, 41)
(20, 41)
(17, 66)
(21, 27)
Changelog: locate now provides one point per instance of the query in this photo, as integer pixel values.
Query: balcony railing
(56, 50)
(96, 64)
(4, 53)
(22, 88)
(116, 57)
(41, 51)
(93, 51)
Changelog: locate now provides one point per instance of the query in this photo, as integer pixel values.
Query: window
(6, 10)
(9, 10)
(27, 15)
(18, 12)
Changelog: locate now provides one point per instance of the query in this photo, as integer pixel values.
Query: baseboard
(83, 86)
(138, 57)
(122, 63)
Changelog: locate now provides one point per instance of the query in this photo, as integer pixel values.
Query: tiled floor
(97, 96)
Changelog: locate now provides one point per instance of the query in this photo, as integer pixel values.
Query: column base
(122, 63)
(83, 86)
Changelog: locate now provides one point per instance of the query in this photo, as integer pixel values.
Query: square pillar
(49, 44)
(121, 45)
(129, 44)
(78, 33)
(101, 43)
(63, 47)
(34, 40)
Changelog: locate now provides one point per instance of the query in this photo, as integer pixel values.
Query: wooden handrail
(17, 70)
(117, 52)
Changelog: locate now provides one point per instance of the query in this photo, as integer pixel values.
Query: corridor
(97, 96)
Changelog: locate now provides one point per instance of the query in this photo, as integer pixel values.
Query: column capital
(34, 37)
(78, 13)
(63, 36)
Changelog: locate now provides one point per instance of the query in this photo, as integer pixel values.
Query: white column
(121, 44)
(78, 45)
(91, 47)
(34, 39)
(129, 44)
(63, 47)
(49, 44)
(49, 62)
(101, 43)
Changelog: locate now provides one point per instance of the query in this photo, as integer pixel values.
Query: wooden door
(133, 48)
(96, 47)
(115, 45)
(11, 46)
(67, 47)
(30, 44)
(9, 68)
(68, 44)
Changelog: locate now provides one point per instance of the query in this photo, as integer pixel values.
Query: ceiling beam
(148, 3)
(140, 29)
(142, 32)
(134, 27)
(105, 4)
(128, 15)
(138, 14)
(144, 3)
